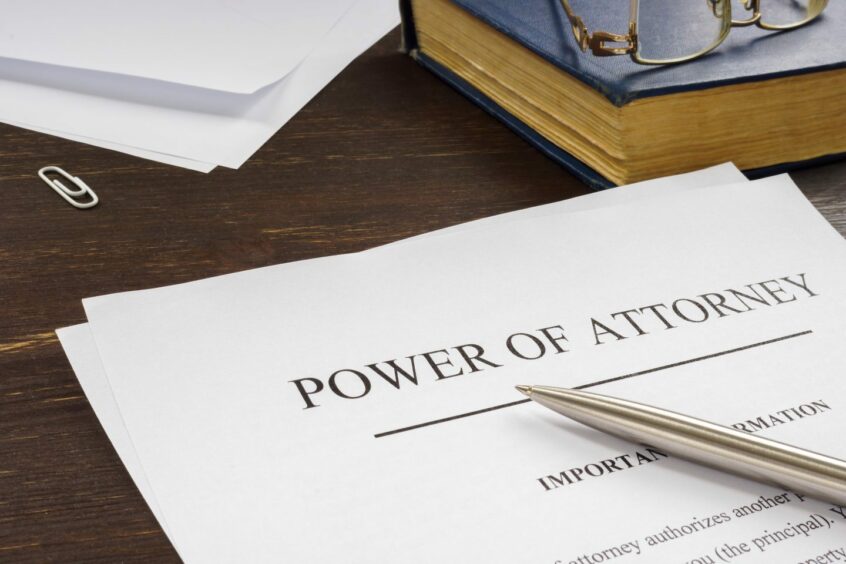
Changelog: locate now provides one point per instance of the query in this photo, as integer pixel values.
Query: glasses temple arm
(597, 40)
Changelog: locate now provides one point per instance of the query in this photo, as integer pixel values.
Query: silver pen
(801, 471)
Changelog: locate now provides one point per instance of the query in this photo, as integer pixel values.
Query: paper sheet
(359, 497)
(135, 152)
(82, 354)
(212, 379)
(80, 346)
(713, 176)
(254, 495)
(192, 123)
(233, 46)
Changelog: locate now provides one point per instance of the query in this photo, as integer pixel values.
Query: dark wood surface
(384, 152)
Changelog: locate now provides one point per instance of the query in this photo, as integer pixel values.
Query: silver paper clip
(70, 195)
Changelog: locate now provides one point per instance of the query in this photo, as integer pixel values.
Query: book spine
(408, 34)
(593, 179)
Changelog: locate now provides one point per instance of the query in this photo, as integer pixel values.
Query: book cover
(749, 54)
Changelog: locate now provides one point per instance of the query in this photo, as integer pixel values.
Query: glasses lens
(680, 29)
(790, 13)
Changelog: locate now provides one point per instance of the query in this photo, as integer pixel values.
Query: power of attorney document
(363, 406)
(81, 349)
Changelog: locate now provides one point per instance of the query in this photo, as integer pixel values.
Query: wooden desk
(384, 152)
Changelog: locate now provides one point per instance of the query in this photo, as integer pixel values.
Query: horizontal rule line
(594, 384)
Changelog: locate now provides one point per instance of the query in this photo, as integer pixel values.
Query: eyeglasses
(665, 32)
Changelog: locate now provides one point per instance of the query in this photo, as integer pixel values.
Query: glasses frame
(607, 44)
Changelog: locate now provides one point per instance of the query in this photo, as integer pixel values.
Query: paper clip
(69, 194)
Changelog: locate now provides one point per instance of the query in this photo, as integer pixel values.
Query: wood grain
(384, 152)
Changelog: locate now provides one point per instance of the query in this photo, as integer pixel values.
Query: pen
(799, 470)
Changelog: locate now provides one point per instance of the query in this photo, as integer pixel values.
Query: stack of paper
(360, 408)
(189, 83)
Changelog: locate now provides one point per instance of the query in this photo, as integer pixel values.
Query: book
(768, 101)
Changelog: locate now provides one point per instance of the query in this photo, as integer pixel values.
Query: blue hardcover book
(769, 101)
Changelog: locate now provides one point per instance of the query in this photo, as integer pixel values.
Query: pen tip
(525, 390)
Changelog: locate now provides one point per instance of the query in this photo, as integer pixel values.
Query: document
(362, 406)
(722, 174)
(134, 151)
(85, 361)
(232, 46)
(198, 124)
(79, 345)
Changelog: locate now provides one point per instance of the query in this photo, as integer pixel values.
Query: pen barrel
(799, 470)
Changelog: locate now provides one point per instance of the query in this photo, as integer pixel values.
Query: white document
(722, 174)
(193, 123)
(272, 425)
(81, 349)
(234, 45)
(82, 354)
(135, 152)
